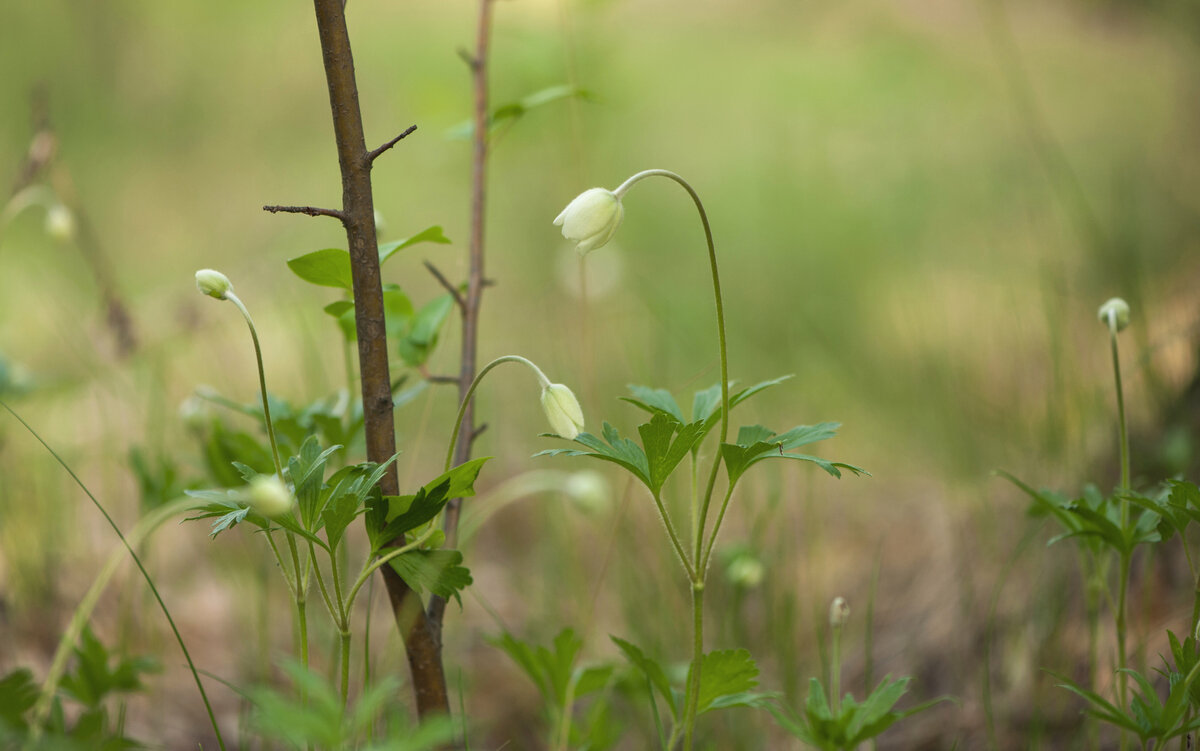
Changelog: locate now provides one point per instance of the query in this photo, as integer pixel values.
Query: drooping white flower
(213, 283)
(562, 410)
(269, 496)
(591, 219)
(1114, 314)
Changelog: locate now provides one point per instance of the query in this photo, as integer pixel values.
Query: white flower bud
(591, 219)
(1114, 314)
(213, 283)
(562, 410)
(839, 612)
(193, 411)
(269, 496)
(60, 223)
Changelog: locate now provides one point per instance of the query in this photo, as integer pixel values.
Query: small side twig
(310, 210)
(458, 298)
(374, 154)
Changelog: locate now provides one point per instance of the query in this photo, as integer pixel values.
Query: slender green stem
(392, 553)
(302, 624)
(300, 595)
(462, 409)
(262, 379)
(1124, 433)
(716, 280)
(835, 673)
(282, 566)
(1122, 655)
(712, 541)
(683, 559)
(138, 562)
(693, 689)
(343, 611)
(344, 635)
(334, 612)
(563, 737)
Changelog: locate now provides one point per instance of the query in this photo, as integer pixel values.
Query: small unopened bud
(562, 410)
(1114, 314)
(839, 612)
(591, 219)
(269, 496)
(60, 223)
(213, 283)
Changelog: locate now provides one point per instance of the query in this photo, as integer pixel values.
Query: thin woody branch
(309, 210)
(422, 642)
(442, 280)
(375, 153)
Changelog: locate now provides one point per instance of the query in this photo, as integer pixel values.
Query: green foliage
(316, 718)
(727, 679)
(1148, 717)
(439, 571)
(93, 678)
(389, 517)
(852, 722)
(755, 443)
(553, 670)
(510, 112)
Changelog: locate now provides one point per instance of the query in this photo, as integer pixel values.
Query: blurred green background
(918, 207)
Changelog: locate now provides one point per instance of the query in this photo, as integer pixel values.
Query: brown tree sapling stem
(475, 281)
(358, 216)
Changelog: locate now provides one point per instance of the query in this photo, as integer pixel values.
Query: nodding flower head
(213, 283)
(1114, 314)
(269, 496)
(562, 410)
(591, 219)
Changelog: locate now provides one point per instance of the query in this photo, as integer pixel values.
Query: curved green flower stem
(712, 541)
(835, 670)
(262, 379)
(279, 560)
(543, 381)
(697, 574)
(716, 280)
(1123, 584)
(344, 636)
(329, 604)
(301, 596)
(1122, 655)
(83, 611)
(683, 559)
(693, 689)
(375, 564)
(138, 562)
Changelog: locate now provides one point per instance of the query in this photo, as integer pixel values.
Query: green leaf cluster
(852, 722)
(314, 717)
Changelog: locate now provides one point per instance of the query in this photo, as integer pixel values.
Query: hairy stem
(693, 689)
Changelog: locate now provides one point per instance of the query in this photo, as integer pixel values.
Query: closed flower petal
(591, 219)
(1114, 314)
(562, 410)
(213, 283)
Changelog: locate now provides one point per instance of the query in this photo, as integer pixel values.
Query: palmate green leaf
(558, 663)
(307, 473)
(653, 672)
(665, 443)
(756, 443)
(439, 571)
(724, 673)
(416, 346)
(654, 401)
(18, 694)
(388, 517)
(613, 448)
(92, 679)
(1099, 707)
